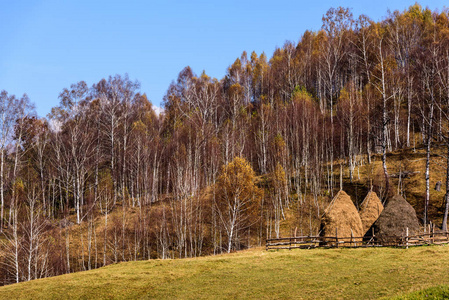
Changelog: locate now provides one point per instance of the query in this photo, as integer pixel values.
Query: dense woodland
(103, 178)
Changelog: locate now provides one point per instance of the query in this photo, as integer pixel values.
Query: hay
(342, 217)
(397, 216)
(370, 210)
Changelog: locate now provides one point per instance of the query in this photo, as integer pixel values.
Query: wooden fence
(308, 242)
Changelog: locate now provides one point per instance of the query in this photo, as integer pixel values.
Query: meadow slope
(319, 273)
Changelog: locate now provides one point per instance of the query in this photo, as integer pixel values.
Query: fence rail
(308, 242)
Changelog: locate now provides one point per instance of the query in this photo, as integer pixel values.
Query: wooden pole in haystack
(341, 177)
(406, 238)
(336, 236)
(352, 238)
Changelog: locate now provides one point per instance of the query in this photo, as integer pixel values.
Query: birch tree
(237, 199)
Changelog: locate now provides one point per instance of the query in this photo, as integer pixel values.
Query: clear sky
(47, 45)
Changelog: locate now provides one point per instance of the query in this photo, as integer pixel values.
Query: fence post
(406, 238)
(336, 236)
(433, 233)
(352, 237)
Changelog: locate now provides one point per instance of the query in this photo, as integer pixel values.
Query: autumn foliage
(229, 162)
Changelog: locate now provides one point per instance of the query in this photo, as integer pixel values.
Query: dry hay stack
(370, 210)
(397, 216)
(342, 217)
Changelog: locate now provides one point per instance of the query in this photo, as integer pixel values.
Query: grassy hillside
(319, 273)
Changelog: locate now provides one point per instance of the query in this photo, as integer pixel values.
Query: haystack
(370, 210)
(341, 217)
(397, 216)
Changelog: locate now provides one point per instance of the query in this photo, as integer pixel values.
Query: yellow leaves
(204, 76)
(253, 57)
(280, 147)
(237, 183)
(300, 95)
(139, 126)
(19, 188)
(349, 96)
(237, 65)
(105, 184)
(279, 178)
(390, 64)
(320, 39)
(235, 90)
(416, 12)
(442, 20)
(378, 30)
(237, 173)
(344, 95)
(279, 142)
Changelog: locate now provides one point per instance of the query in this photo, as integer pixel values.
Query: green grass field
(309, 274)
(438, 292)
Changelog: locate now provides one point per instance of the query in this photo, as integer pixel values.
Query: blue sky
(47, 45)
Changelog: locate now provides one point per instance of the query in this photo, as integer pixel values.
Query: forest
(229, 162)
